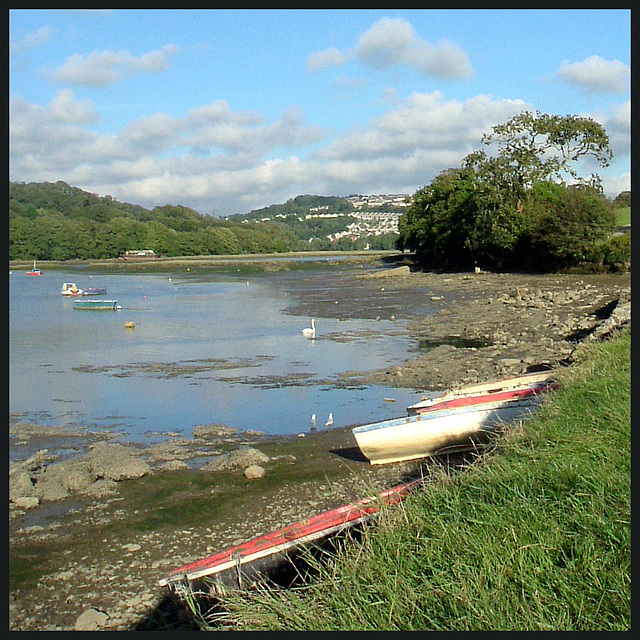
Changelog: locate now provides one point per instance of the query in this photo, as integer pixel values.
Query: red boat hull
(511, 394)
(256, 559)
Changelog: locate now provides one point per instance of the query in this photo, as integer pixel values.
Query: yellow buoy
(130, 325)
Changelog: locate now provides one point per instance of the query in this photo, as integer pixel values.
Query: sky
(230, 110)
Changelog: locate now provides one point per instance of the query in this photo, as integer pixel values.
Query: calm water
(223, 351)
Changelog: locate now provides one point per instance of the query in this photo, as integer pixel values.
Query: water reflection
(217, 349)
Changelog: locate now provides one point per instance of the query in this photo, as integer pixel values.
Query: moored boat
(70, 289)
(35, 271)
(94, 291)
(519, 386)
(97, 305)
(255, 560)
(442, 430)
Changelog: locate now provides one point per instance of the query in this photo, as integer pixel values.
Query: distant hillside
(55, 221)
(330, 222)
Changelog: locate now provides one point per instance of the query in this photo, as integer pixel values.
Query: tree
(477, 214)
(623, 199)
(533, 147)
(439, 221)
(571, 221)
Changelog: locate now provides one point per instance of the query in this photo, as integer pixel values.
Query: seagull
(313, 420)
(329, 421)
(310, 332)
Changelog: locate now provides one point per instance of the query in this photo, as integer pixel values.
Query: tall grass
(533, 536)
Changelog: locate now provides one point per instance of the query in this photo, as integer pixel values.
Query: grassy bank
(534, 536)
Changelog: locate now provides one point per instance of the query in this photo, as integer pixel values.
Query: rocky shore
(92, 530)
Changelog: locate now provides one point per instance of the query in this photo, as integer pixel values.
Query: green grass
(535, 535)
(623, 216)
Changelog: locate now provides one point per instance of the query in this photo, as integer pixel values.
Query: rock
(24, 502)
(30, 465)
(100, 488)
(620, 316)
(20, 485)
(116, 462)
(174, 465)
(91, 620)
(254, 471)
(393, 272)
(77, 476)
(238, 459)
(174, 449)
(213, 431)
(510, 362)
(50, 485)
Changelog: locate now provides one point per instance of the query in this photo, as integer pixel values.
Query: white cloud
(65, 108)
(613, 186)
(394, 42)
(596, 75)
(426, 121)
(215, 157)
(618, 127)
(327, 58)
(32, 41)
(101, 68)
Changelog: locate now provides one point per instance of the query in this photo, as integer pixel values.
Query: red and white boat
(35, 271)
(454, 420)
(524, 386)
(253, 561)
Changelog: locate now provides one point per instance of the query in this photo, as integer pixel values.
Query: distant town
(375, 215)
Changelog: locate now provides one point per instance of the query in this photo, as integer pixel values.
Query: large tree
(478, 214)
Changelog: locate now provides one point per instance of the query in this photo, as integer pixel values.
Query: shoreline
(147, 527)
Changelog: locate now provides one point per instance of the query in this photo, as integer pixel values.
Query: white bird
(310, 332)
(329, 421)
(313, 420)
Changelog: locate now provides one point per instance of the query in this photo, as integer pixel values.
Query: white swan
(313, 420)
(329, 421)
(310, 333)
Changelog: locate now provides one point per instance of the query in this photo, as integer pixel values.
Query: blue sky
(230, 110)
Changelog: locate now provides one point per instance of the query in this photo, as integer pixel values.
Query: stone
(174, 465)
(91, 620)
(254, 471)
(25, 502)
(213, 431)
(20, 485)
(240, 458)
(116, 462)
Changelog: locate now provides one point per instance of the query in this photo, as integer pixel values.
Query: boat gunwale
(300, 533)
(495, 405)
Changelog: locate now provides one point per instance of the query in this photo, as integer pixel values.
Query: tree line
(512, 208)
(509, 208)
(54, 221)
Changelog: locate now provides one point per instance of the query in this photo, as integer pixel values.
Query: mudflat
(92, 556)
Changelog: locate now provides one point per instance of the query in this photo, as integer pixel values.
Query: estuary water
(219, 348)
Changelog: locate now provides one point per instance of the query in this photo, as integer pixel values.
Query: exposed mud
(102, 550)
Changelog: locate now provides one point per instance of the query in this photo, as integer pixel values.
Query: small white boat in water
(70, 289)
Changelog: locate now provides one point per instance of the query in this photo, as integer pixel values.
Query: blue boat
(94, 291)
(97, 305)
